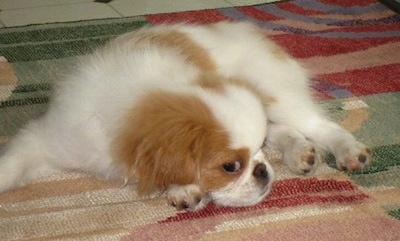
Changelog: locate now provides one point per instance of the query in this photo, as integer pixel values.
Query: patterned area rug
(351, 47)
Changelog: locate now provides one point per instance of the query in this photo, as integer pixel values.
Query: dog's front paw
(353, 156)
(302, 158)
(187, 197)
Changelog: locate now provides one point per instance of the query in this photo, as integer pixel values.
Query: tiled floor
(24, 12)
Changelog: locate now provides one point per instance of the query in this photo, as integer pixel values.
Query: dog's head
(209, 138)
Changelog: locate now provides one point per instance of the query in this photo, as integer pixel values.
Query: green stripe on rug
(51, 50)
(383, 158)
(26, 95)
(383, 171)
(25, 101)
(395, 213)
(32, 88)
(65, 33)
(393, 210)
(386, 178)
(60, 42)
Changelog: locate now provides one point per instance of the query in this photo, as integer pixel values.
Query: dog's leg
(349, 153)
(187, 197)
(306, 118)
(296, 109)
(25, 158)
(299, 154)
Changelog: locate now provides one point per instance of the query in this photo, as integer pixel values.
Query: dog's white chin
(235, 197)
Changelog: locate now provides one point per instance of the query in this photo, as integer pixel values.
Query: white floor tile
(57, 13)
(24, 12)
(141, 7)
(16, 4)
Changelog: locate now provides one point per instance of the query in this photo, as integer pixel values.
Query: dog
(186, 110)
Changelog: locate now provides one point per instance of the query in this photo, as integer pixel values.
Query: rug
(352, 49)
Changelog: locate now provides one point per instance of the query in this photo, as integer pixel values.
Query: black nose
(260, 172)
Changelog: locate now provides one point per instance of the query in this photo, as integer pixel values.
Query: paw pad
(362, 158)
(355, 157)
(303, 158)
(311, 160)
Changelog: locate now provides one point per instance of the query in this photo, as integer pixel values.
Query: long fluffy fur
(171, 105)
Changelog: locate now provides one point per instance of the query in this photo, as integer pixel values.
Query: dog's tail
(26, 157)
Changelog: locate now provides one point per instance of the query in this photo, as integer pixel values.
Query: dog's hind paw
(353, 156)
(302, 158)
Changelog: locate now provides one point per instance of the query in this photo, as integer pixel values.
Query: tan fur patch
(173, 139)
(199, 57)
(216, 82)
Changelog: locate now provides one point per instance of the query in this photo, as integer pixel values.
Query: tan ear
(172, 159)
(163, 142)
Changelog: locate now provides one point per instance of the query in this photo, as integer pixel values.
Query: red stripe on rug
(297, 186)
(301, 200)
(200, 17)
(258, 14)
(301, 46)
(288, 193)
(291, 7)
(367, 81)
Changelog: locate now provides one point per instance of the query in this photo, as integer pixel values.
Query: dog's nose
(260, 172)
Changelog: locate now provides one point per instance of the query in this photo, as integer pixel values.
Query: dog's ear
(172, 159)
(164, 140)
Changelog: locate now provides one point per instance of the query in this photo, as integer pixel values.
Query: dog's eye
(232, 166)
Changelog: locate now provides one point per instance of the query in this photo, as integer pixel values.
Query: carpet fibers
(352, 48)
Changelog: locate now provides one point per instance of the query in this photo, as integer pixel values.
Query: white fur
(245, 192)
(76, 132)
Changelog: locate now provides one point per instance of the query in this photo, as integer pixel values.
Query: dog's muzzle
(261, 173)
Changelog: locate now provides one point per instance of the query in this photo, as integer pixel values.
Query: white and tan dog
(183, 109)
